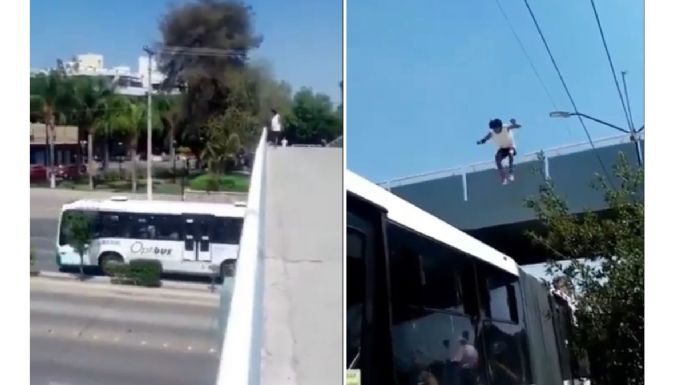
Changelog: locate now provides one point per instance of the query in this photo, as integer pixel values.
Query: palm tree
(49, 99)
(90, 96)
(103, 123)
(130, 119)
(171, 118)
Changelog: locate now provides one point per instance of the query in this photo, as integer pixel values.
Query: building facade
(67, 146)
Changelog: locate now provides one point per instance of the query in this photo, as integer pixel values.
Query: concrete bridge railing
(242, 312)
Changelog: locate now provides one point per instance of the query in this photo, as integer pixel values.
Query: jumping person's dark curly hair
(495, 123)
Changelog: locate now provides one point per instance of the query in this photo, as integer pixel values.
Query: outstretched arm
(512, 124)
(485, 139)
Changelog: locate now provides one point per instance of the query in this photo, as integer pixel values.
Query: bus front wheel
(109, 258)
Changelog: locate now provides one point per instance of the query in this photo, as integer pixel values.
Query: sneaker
(511, 177)
(505, 181)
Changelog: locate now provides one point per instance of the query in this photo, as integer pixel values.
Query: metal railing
(241, 346)
(487, 165)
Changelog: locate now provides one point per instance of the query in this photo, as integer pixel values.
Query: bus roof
(158, 207)
(412, 217)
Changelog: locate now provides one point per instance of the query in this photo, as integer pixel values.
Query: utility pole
(51, 150)
(149, 121)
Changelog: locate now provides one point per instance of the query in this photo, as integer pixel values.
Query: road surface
(87, 333)
(302, 320)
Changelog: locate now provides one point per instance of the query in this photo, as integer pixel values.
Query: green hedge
(139, 272)
(147, 272)
(209, 182)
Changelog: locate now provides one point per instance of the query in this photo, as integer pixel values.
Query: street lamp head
(559, 114)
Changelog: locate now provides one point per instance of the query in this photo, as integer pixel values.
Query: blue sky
(302, 38)
(424, 78)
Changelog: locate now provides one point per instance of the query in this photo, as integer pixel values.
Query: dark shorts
(504, 152)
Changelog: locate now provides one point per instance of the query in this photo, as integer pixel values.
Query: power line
(611, 63)
(625, 91)
(568, 93)
(530, 61)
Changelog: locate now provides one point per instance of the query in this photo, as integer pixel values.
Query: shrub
(146, 272)
(120, 272)
(212, 183)
(215, 182)
(139, 272)
(111, 176)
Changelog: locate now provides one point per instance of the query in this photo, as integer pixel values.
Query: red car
(39, 173)
(69, 171)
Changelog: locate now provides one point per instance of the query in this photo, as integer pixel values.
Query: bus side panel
(222, 252)
(69, 257)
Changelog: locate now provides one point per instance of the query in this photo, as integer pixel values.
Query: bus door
(196, 237)
(369, 346)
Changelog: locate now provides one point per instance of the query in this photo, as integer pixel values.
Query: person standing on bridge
(276, 128)
(503, 137)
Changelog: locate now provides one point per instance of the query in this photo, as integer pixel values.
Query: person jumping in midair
(503, 137)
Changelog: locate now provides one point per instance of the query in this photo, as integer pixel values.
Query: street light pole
(149, 122)
(632, 132)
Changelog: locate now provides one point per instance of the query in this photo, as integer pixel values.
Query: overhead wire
(530, 60)
(568, 93)
(611, 64)
(625, 91)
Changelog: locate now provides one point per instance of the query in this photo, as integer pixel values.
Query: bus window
(433, 336)
(506, 352)
(502, 296)
(504, 333)
(165, 227)
(113, 225)
(227, 230)
(141, 227)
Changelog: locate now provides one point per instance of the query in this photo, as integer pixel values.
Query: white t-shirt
(505, 138)
(276, 123)
(467, 355)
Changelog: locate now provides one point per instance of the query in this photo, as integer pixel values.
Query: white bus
(186, 237)
(429, 304)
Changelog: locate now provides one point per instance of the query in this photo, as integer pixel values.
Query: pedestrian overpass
(472, 198)
(279, 317)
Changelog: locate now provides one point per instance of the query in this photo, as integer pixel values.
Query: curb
(166, 284)
(228, 193)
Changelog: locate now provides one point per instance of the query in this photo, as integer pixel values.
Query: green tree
(169, 111)
(129, 121)
(224, 140)
(610, 308)
(106, 118)
(90, 96)
(49, 101)
(77, 228)
(313, 118)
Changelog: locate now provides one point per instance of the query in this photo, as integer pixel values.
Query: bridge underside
(473, 200)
